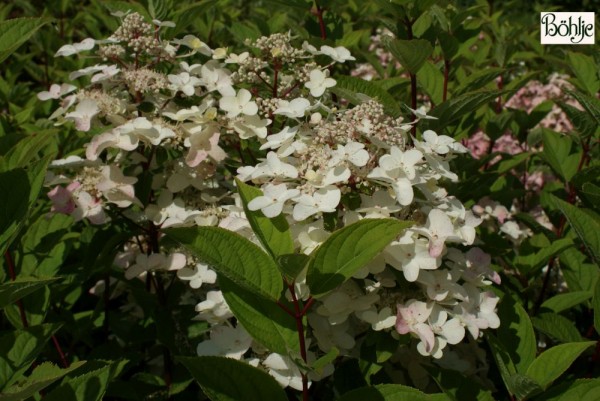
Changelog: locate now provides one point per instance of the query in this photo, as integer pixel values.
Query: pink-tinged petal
(425, 334)
(62, 200)
(436, 246)
(195, 157)
(402, 326)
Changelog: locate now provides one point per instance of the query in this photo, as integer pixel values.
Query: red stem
(321, 21)
(446, 72)
(300, 328)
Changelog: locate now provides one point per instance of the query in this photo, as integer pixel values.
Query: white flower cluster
(156, 158)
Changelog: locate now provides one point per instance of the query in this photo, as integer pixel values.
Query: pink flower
(62, 198)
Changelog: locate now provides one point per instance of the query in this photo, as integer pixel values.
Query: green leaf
(15, 32)
(555, 361)
(263, 319)
(557, 148)
(22, 286)
(582, 390)
(596, 306)
(530, 263)
(505, 365)
(357, 91)
(318, 365)
(589, 103)
(349, 249)
(89, 386)
(15, 192)
(456, 108)
(126, 7)
(557, 327)
(386, 392)
(582, 121)
(19, 348)
(591, 193)
(459, 387)
(232, 256)
(561, 302)
(226, 379)
(523, 386)
(585, 69)
(478, 79)
(585, 223)
(411, 54)
(516, 334)
(291, 265)
(28, 148)
(42, 376)
(431, 79)
(273, 233)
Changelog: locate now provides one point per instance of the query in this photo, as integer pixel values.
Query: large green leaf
(266, 322)
(557, 148)
(411, 54)
(15, 192)
(15, 32)
(226, 379)
(561, 302)
(273, 233)
(581, 390)
(596, 306)
(459, 387)
(28, 148)
(478, 79)
(232, 256)
(431, 79)
(18, 350)
(505, 365)
(585, 223)
(390, 392)
(585, 69)
(349, 249)
(91, 385)
(292, 265)
(589, 103)
(42, 376)
(555, 361)
(353, 90)
(530, 263)
(22, 286)
(557, 327)
(516, 334)
(456, 108)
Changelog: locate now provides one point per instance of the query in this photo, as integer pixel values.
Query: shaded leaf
(42, 376)
(273, 233)
(226, 379)
(22, 286)
(555, 361)
(561, 302)
(349, 249)
(232, 256)
(15, 32)
(357, 91)
(557, 327)
(263, 319)
(411, 54)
